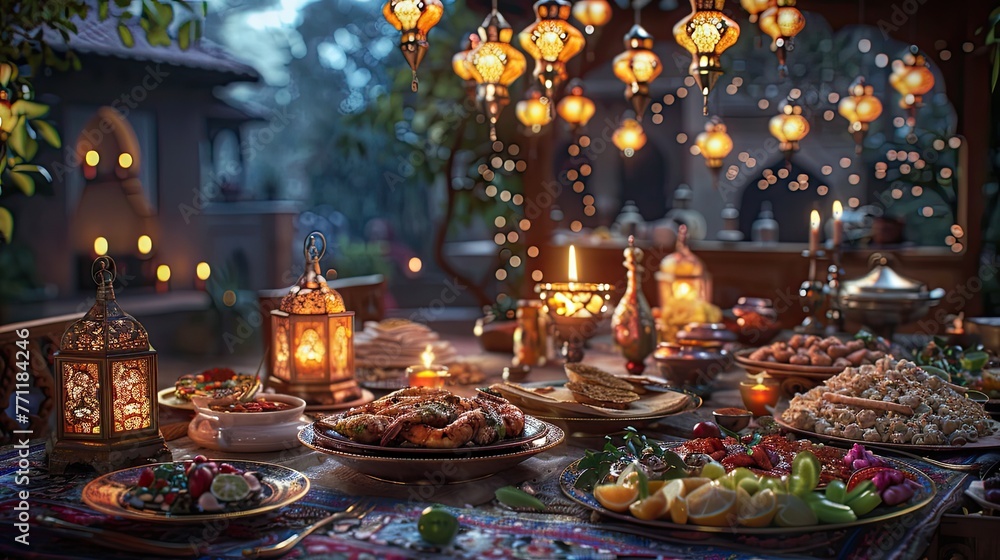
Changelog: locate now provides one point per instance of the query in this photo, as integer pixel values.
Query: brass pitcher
(632, 326)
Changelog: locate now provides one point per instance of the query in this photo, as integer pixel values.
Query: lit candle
(838, 223)
(427, 374)
(162, 278)
(572, 265)
(814, 231)
(759, 394)
(100, 247)
(202, 272)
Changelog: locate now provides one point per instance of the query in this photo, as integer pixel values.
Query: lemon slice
(711, 504)
(758, 510)
(653, 507)
(230, 487)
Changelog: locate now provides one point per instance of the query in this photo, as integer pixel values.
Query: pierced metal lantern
(782, 22)
(789, 126)
(912, 79)
(106, 417)
(706, 33)
(494, 65)
(860, 107)
(714, 145)
(312, 342)
(551, 40)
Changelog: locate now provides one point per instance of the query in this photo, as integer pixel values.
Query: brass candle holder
(576, 308)
(813, 296)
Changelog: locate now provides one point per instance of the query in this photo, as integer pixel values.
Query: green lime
(974, 361)
(230, 487)
(713, 470)
(437, 525)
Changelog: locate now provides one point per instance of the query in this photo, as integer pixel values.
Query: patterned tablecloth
(487, 529)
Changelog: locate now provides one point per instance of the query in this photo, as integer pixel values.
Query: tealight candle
(759, 394)
(813, 232)
(427, 374)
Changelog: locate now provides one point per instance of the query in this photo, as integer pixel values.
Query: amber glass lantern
(458, 64)
(105, 388)
(789, 127)
(714, 144)
(592, 14)
(782, 22)
(629, 137)
(706, 33)
(912, 79)
(860, 108)
(637, 67)
(534, 112)
(685, 290)
(576, 108)
(414, 18)
(313, 338)
(755, 7)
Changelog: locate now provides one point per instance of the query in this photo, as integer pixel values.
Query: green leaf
(21, 143)
(23, 182)
(47, 132)
(102, 9)
(996, 69)
(6, 224)
(6, 70)
(29, 109)
(32, 168)
(184, 35)
(126, 35)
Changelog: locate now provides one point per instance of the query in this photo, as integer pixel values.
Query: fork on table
(356, 511)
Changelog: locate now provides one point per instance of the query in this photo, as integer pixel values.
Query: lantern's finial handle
(104, 271)
(310, 250)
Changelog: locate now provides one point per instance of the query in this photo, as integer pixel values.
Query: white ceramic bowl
(240, 419)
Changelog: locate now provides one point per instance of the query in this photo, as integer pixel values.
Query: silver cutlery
(356, 511)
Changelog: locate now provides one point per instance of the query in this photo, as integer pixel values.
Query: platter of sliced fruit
(806, 487)
(195, 490)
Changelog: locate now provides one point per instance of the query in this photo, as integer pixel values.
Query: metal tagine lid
(311, 295)
(883, 282)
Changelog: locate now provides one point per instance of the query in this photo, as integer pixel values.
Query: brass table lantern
(106, 416)
(313, 338)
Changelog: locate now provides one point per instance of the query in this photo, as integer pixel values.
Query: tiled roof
(101, 38)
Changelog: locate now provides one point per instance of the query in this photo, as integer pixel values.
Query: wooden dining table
(487, 529)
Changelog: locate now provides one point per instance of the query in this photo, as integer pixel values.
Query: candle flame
(572, 264)
(814, 220)
(760, 379)
(427, 356)
(838, 210)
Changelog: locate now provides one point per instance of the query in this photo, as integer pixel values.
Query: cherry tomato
(437, 525)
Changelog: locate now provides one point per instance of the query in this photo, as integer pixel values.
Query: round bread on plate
(602, 395)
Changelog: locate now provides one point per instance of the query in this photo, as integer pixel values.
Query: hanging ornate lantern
(106, 414)
(782, 22)
(629, 137)
(592, 14)
(494, 65)
(534, 112)
(414, 18)
(637, 67)
(912, 79)
(551, 40)
(575, 108)
(860, 107)
(714, 144)
(706, 33)
(458, 64)
(755, 7)
(789, 127)
(312, 344)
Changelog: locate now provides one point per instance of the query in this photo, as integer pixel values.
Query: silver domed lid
(884, 282)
